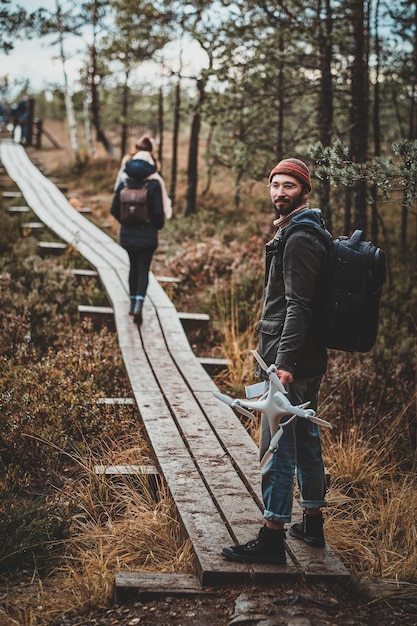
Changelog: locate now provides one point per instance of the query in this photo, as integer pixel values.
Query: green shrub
(31, 533)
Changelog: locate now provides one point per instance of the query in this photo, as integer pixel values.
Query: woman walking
(139, 239)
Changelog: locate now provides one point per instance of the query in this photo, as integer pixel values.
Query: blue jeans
(299, 451)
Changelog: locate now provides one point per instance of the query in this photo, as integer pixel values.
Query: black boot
(137, 312)
(310, 530)
(267, 548)
(132, 305)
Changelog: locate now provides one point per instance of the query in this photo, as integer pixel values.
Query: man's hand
(284, 376)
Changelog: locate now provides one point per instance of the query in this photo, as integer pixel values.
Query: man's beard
(288, 206)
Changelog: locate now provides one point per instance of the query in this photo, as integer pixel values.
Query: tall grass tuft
(371, 518)
(232, 315)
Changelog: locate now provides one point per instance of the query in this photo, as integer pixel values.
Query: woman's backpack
(134, 209)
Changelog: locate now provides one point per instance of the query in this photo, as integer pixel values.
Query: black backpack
(355, 274)
(134, 209)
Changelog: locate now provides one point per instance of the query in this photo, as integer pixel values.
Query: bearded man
(289, 339)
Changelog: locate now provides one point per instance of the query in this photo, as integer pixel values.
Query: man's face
(287, 193)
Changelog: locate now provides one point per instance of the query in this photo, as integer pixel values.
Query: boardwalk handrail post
(38, 132)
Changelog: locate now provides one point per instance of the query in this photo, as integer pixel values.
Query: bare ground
(285, 604)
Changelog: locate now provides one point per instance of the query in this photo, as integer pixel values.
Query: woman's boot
(137, 311)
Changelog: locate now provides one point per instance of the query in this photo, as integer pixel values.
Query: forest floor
(300, 604)
(360, 603)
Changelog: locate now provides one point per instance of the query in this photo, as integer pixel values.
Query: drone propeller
(319, 421)
(223, 397)
(260, 360)
(241, 409)
(273, 444)
(270, 371)
(235, 404)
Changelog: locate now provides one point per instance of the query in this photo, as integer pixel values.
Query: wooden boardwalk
(204, 454)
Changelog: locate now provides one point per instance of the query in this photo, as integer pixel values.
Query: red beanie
(293, 167)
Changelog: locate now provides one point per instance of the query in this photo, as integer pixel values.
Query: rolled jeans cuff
(273, 517)
(313, 504)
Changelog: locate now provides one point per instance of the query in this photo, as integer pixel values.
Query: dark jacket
(145, 235)
(294, 283)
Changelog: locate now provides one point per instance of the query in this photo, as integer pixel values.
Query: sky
(37, 60)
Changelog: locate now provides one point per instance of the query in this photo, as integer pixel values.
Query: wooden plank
(33, 225)
(27, 227)
(18, 209)
(11, 195)
(51, 247)
(182, 354)
(214, 365)
(63, 188)
(144, 478)
(116, 401)
(99, 315)
(80, 273)
(194, 321)
(142, 587)
(125, 470)
(168, 279)
(86, 309)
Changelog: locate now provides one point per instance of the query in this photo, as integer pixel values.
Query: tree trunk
(348, 211)
(209, 160)
(376, 123)
(87, 127)
(125, 112)
(359, 111)
(279, 149)
(161, 128)
(177, 106)
(238, 188)
(72, 126)
(95, 104)
(325, 108)
(192, 172)
(412, 133)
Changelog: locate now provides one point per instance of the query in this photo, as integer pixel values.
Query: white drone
(274, 405)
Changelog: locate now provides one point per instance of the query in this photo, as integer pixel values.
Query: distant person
(4, 114)
(22, 120)
(146, 144)
(140, 240)
(293, 292)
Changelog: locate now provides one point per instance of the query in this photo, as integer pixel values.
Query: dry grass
(235, 344)
(371, 518)
(118, 524)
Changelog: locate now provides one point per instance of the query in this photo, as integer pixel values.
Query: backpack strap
(308, 225)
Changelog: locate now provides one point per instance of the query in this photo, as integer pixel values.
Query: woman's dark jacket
(146, 235)
(293, 300)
